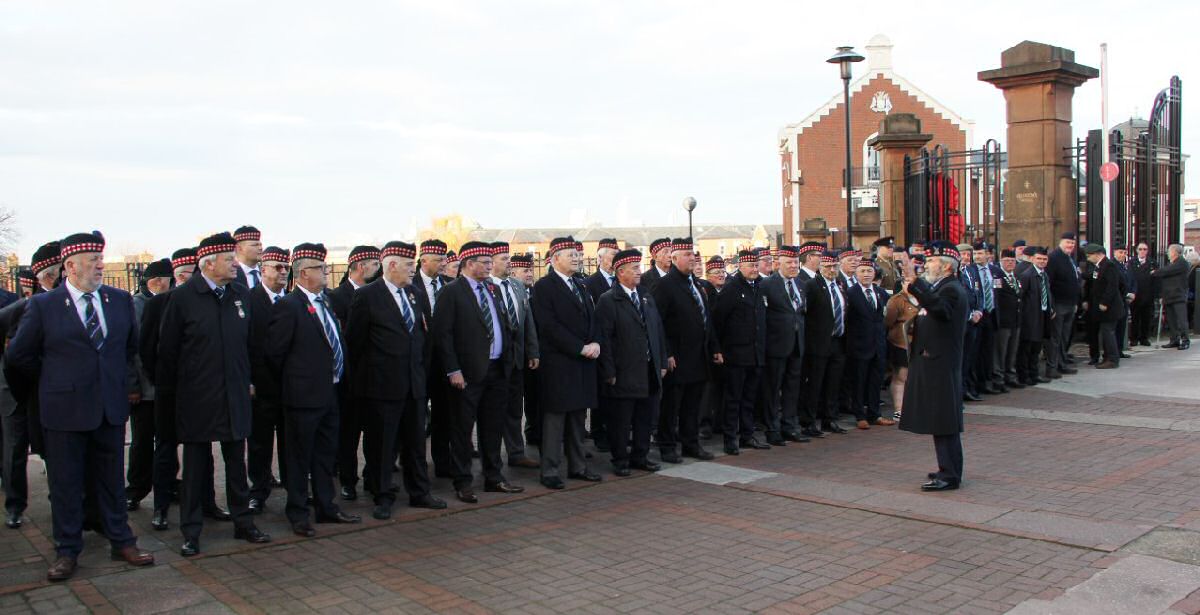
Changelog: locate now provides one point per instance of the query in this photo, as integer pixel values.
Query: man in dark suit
(428, 285)
(1174, 286)
(472, 336)
(156, 280)
(711, 403)
(969, 278)
(266, 427)
(1120, 257)
(305, 349)
(204, 348)
(1105, 303)
(692, 348)
(18, 420)
(981, 269)
(865, 346)
(520, 269)
(632, 363)
(597, 284)
(569, 345)
(1066, 287)
(525, 350)
(362, 267)
(1008, 293)
(660, 255)
(739, 317)
(824, 348)
(783, 374)
(1143, 267)
(386, 348)
(933, 396)
(248, 255)
(76, 343)
(1037, 315)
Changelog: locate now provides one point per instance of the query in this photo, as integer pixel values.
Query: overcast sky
(159, 122)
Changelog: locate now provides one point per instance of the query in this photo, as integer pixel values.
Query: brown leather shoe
(863, 425)
(1107, 365)
(884, 422)
(62, 569)
(133, 556)
(524, 462)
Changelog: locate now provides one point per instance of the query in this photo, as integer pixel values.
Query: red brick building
(812, 151)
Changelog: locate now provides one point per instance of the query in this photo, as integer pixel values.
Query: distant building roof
(634, 235)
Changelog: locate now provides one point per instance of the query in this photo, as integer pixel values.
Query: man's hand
(718, 359)
(1085, 306)
(457, 381)
(670, 364)
(534, 363)
(975, 316)
(612, 381)
(662, 373)
(1131, 297)
(1103, 308)
(590, 351)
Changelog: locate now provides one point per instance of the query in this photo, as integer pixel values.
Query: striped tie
(487, 314)
(92, 322)
(331, 335)
(512, 309)
(405, 311)
(839, 325)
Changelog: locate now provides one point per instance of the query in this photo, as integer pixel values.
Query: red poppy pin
(312, 310)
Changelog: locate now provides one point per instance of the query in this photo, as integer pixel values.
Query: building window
(870, 170)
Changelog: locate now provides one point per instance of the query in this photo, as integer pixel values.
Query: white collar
(76, 294)
(565, 278)
(660, 271)
(311, 296)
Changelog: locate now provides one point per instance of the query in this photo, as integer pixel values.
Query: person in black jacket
(473, 338)
(428, 285)
(1105, 303)
(933, 396)
(739, 316)
(660, 254)
(248, 252)
(969, 278)
(786, 306)
(156, 280)
(1173, 280)
(267, 422)
(1037, 314)
(597, 284)
(385, 349)
(632, 363)
(1120, 257)
(824, 348)
(1066, 287)
(1142, 308)
(866, 346)
(692, 348)
(204, 346)
(306, 352)
(1008, 292)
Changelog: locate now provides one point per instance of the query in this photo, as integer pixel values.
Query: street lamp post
(844, 57)
(690, 205)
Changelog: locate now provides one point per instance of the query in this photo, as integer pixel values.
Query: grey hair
(300, 263)
(1176, 248)
(390, 258)
(204, 260)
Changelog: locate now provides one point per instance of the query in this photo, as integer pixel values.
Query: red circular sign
(1109, 171)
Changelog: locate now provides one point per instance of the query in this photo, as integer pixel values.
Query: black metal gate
(954, 196)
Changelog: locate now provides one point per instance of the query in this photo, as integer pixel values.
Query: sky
(159, 122)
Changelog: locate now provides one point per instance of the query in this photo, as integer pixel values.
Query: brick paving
(833, 526)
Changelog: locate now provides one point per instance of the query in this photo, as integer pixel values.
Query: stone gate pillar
(899, 136)
(1039, 82)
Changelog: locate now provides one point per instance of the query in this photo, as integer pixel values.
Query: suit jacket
(1106, 287)
(144, 385)
(525, 339)
(299, 353)
(739, 315)
(1035, 324)
(690, 336)
(1173, 280)
(239, 275)
(204, 349)
(933, 396)
(1008, 299)
(386, 361)
(1065, 282)
(339, 300)
(650, 279)
(565, 325)
(148, 330)
(819, 322)
(785, 323)
(597, 285)
(79, 387)
(866, 337)
(460, 337)
(266, 381)
(1144, 280)
(633, 346)
(418, 284)
(969, 278)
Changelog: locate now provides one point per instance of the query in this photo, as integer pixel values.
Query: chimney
(879, 53)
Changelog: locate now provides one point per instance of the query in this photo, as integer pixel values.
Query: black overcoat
(567, 380)
(632, 346)
(386, 361)
(933, 396)
(739, 315)
(690, 337)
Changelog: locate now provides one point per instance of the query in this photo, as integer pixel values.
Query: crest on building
(881, 103)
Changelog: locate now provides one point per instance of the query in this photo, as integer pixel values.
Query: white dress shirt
(81, 306)
(507, 291)
(249, 278)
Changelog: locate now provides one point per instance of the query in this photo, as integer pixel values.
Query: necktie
(91, 321)
(791, 286)
(637, 304)
(275, 298)
(871, 298)
(512, 309)
(487, 314)
(1045, 291)
(219, 292)
(254, 276)
(578, 294)
(331, 336)
(698, 300)
(405, 311)
(838, 321)
(989, 298)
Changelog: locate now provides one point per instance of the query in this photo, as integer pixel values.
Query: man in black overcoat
(692, 348)
(1142, 323)
(1105, 303)
(1037, 314)
(204, 347)
(266, 427)
(1066, 287)
(933, 396)
(1173, 280)
(865, 346)
(739, 316)
(824, 348)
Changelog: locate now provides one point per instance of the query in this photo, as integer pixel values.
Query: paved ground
(1083, 496)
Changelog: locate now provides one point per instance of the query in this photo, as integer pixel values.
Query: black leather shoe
(252, 535)
(12, 521)
(349, 493)
(932, 476)
(776, 441)
(340, 517)
(732, 449)
(217, 513)
(938, 484)
(645, 466)
(833, 427)
(62, 569)
(794, 436)
(755, 444)
(1054, 374)
(1067, 371)
(671, 457)
(1013, 384)
(1174, 344)
(383, 512)
(812, 432)
(256, 506)
(427, 501)
(987, 390)
(1043, 379)
(190, 548)
(706, 433)
(588, 476)
(132, 504)
(503, 487)
(553, 482)
(466, 495)
(1126, 355)
(159, 522)
(699, 453)
(622, 471)
(1185, 344)
(304, 530)
(969, 396)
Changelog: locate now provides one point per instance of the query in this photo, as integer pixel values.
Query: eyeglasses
(280, 268)
(324, 268)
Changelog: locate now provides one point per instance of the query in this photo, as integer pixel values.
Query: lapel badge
(241, 312)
